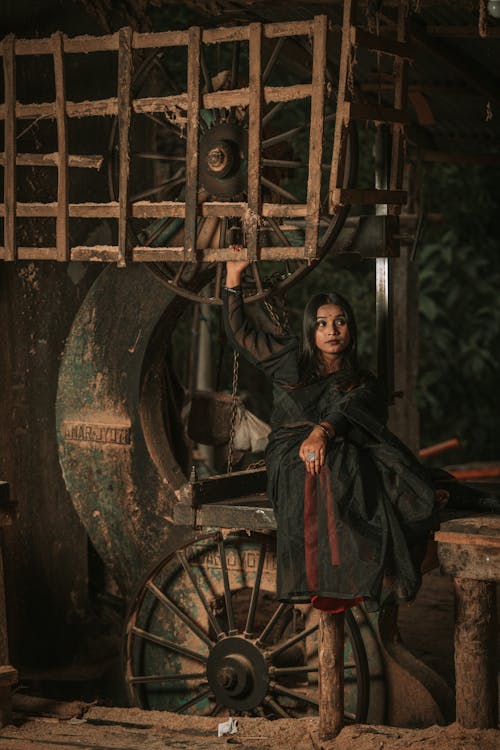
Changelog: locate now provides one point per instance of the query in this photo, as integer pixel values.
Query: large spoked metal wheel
(158, 165)
(205, 635)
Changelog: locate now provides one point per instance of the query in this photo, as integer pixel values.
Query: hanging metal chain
(234, 411)
(281, 323)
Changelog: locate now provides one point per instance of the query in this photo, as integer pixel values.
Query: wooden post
(192, 150)
(9, 72)
(316, 137)
(124, 100)
(331, 674)
(62, 220)
(475, 667)
(400, 103)
(254, 140)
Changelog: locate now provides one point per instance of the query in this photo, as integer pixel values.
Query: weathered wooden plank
(343, 196)
(316, 136)
(388, 46)
(37, 253)
(214, 254)
(240, 516)
(376, 113)
(147, 40)
(51, 160)
(341, 119)
(76, 44)
(287, 28)
(105, 107)
(192, 151)
(331, 674)
(458, 537)
(97, 253)
(9, 73)
(124, 114)
(252, 218)
(400, 103)
(62, 216)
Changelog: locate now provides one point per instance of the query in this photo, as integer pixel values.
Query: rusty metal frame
(253, 212)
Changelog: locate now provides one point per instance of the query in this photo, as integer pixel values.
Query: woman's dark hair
(311, 363)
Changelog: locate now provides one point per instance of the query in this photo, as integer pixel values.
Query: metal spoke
(216, 709)
(293, 640)
(286, 136)
(285, 163)
(292, 694)
(281, 191)
(273, 111)
(164, 643)
(167, 185)
(272, 60)
(168, 604)
(248, 632)
(279, 612)
(197, 698)
(157, 156)
(283, 671)
(235, 70)
(142, 679)
(257, 279)
(218, 280)
(277, 230)
(189, 572)
(159, 229)
(268, 701)
(178, 275)
(227, 589)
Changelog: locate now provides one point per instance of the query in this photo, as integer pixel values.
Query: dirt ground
(98, 728)
(426, 627)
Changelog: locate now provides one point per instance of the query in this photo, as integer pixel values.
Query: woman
(353, 506)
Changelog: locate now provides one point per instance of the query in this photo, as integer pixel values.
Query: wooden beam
(400, 104)
(341, 119)
(62, 218)
(192, 146)
(252, 218)
(51, 160)
(124, 112)
(331, 674)
(316, 136)
(468, 68)
(9, 73)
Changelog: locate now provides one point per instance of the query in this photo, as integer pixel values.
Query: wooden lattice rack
(124, 42)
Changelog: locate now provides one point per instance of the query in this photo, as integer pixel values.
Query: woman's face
(332, 334)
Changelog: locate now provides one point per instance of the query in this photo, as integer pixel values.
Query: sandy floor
(98, 728)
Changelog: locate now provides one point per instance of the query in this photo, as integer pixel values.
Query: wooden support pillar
(254, 140)
(10, 147)
(475, 665)
(124, 114)
(192, 146)
(331, 674)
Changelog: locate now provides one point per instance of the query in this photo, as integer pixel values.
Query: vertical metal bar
(316, 137)
(62, 219)
(9, 72)
(192, 155)
(341, 126)
(254, 139)
(383, 275)
(227, 588)
(124, 114)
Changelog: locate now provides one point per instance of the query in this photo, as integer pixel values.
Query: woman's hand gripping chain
(313, 450)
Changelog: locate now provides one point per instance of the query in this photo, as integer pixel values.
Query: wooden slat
(124, 99)
(37, 253)
(83, 43)
(252, 219)
(9, 72)
(476, 540)
(93, 108)
(341, 127)
(192, 151)
(51, 160)
(62, 218)
(288, 28)
(97, 253)
(376, 113)
(316, 136)
(383, 44)
(343, 196)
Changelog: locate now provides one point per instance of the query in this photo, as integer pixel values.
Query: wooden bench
(469, 551)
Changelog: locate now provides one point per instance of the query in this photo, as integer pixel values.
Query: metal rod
(168, 604)
(292, 641)
(164, 643)
(185, 564)
(256, 589)
(272, 622)
(227, 589)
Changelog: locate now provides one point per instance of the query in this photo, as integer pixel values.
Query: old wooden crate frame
(124, 42)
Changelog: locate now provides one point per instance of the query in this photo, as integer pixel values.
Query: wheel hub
(223, 153)
(237, 673)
